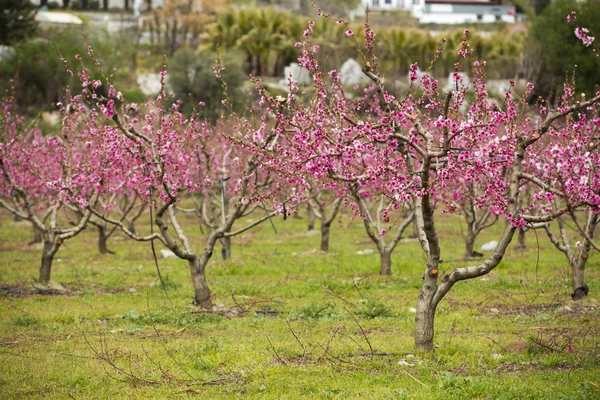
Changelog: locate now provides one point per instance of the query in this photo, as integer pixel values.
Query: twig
(358, 290)
(330, 292)
(362, 330)
(281, 360)
(413, 378)
(297, 338)
(326, 348)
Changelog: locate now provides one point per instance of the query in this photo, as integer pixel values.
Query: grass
(292, 322)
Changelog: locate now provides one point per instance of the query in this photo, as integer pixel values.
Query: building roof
(481, 2)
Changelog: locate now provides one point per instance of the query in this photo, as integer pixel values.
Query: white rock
(404, 362)
(489, 246)
(360, 252)
(132, 290)
(368, 251)
(296, 73)
(484, 279)
(351, 72)
(494, 310)
(149, 83)
(569, 309)
(412, 310)
(167, 254)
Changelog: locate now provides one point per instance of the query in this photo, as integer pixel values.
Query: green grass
(293, 322)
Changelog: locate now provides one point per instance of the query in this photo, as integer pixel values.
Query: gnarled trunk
(521, 240)
(197, 269)
(37, 235)
(386, 262)
(198, 272)
(424, 320)
(50, 249)
(580, 289)
(102, 247)
(470, 245)
(325, 236)
(226, 250)
(312, 218)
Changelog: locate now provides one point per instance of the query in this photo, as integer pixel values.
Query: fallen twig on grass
(281, 360)
(362, 330)
(297, 339)
(103, 355)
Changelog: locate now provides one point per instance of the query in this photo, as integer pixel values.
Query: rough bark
(198, 272)
(424, 321)
(312, 218)
(386, 262)
(521, 239)
(470, 245)
(102, 247)
(201, 289)
(226, 250)
(50, 249)
(325, 228)
(37, 235)
(580, 289)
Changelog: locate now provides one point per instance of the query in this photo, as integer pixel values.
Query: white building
(449, 11)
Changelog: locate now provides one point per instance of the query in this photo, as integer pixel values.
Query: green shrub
(370, 308)
(315, 311)
(192, 78)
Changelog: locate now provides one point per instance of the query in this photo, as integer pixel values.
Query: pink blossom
(349, 32)
(582, 34)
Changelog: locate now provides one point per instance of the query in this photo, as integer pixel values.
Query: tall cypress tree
(17, 20)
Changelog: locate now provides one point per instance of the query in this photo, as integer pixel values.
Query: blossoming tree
(157, 157)
(37, 178)
(414, 147)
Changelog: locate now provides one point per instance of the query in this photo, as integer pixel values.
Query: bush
(557, 51)
(17, 20)
(369, 308)
(192, 78)
(42, 77)
(313, 311)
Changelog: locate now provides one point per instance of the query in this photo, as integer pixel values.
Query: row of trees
(393, 160)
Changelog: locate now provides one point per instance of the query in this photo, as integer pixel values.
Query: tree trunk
(102, 247)
(424, 321)
(226, 250)
(198, 272)
(48, 253)
(578, 278)
(197, 269)
(425, 318)
(386, 262)
(470, 245)
(312, 218)
(37, 236)
(580, 289)
(521, 239)
(325, 228)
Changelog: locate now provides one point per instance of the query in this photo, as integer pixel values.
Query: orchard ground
(292, 322)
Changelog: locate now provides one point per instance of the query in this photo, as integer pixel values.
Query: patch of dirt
(517, 367)
(584, 307)
(531, 366)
